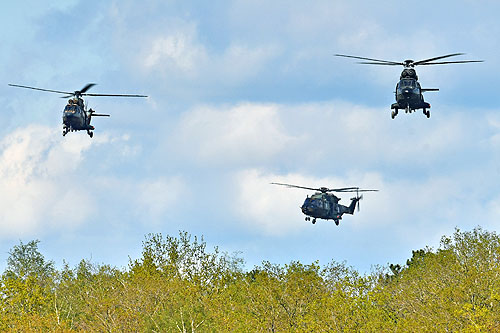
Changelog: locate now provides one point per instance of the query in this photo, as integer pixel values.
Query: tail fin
(352, 206)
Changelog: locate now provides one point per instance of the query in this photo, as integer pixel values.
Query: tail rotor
(358, 198)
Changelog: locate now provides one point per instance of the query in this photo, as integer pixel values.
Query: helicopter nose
(406, 93)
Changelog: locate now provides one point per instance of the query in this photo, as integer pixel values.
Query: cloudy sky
(244, 93)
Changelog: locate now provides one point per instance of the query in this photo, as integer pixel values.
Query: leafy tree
(26, 290)
(25, 260)
(178, 285)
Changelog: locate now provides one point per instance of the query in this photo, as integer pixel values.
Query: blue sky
(244, 93)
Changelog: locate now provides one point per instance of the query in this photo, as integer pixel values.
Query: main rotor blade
(420, 62)
(450, 62)
(363, 58)
(48, 90)
(357, 190)
(324, 189)
(87, 87)
(343, 189)
(381, 63)
(114, 95)
(296, 186)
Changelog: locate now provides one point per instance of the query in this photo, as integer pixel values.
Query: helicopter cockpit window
(317, 203)
(408, 83)
(70, 108)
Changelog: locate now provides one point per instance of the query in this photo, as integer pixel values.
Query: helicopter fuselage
(409, 95)
(325, 206)
(76, 118)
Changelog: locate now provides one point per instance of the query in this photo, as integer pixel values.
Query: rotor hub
(409, 63)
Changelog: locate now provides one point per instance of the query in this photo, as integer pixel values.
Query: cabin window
(70, 108)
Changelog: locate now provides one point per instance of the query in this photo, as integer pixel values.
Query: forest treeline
(178, 285)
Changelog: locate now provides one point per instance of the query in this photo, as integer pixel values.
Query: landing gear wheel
(91, 134)
(428, 114)
(336, 222)
(314, 221)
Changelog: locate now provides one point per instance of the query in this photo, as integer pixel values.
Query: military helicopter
(408, 91)
(325, 205)
(76, 116)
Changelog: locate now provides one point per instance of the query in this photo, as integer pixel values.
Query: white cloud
(240, 62)
(39, 186)
(336, 133)
(154, 198)
(362, 134)
(138, 200)
(47, 184)
(493, 121)
(245, 132)
(180, 53)
(269, 209)
(177, 50)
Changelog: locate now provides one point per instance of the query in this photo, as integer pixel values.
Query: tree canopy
(179, 285)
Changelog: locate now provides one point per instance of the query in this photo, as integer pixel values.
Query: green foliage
(25, 260)
(178, 285)
(27, 290)
(453, 289)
